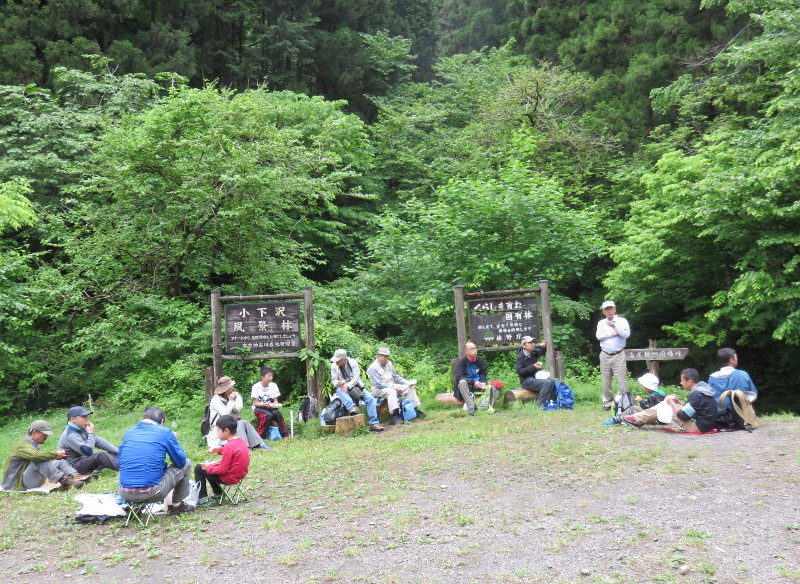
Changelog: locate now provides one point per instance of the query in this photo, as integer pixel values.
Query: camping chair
(232, 494)
(141, 511)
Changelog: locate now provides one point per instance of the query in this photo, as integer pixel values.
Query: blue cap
(76, 411)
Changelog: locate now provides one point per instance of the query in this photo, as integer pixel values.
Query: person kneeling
(231, 469)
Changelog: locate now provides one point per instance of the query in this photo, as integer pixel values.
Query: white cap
(608, 304)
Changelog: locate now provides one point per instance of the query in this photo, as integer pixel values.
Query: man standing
(612, 332)
(346, 377)
(699, 414)
(143, 471)
(729, 377)
(78, 440)
(471, 376)
(528, 365)
(30, 467)
(389, 385)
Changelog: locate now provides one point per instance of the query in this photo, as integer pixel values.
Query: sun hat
(224, 384)
(649, 381)
(338, 355)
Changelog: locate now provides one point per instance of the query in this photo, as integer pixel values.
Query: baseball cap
(78, 411)
(41, 426)
(608, 304)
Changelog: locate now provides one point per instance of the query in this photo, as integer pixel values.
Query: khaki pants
(613, 366)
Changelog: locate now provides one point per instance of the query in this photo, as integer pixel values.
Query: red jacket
(234, 464)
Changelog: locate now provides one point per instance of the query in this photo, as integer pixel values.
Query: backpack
(624, 403)
(334, 410)
(205, 423)
(741, 416)
(408, 410)
(565, 399)
(308, 409)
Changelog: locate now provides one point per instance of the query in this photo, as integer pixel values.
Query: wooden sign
(655, 354)
(498, 321)
(265, 327)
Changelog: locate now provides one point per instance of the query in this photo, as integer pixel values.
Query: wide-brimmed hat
(224, 384)
(338, 355)
(649, 381)
(76, 411)
(41, 426)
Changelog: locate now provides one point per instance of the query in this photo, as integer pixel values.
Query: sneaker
(354, 411)
(471, 411)
(263, 446)
(181, 507)
(375, 428)
(606, 407)
(208, 501)
(611, 421)
(630, 421)
(420, 414)
(396, 418)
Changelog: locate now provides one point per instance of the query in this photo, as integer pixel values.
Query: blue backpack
(565, 399)
(407, 407)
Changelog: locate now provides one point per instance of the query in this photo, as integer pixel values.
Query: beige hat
(384, 351)
(338, 355)
(608, 304)
(41, 426)
(527, 339)
(649, 381)
(224, 384)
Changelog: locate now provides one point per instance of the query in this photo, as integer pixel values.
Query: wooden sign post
(653, 355)
(267, 326)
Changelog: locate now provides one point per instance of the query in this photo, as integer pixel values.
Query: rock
(586, 572)
(683, 570)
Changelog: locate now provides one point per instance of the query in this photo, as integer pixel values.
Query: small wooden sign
(496, 321)
(266, 327)
(655, 354)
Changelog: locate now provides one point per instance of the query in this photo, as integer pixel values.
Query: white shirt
(262, 394)
(613, 339)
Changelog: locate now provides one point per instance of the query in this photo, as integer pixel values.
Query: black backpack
(308, 408)
(334, 410)
(205, 423)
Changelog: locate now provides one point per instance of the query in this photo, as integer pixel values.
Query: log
(448, 399)
(346, 425)
(522, 395)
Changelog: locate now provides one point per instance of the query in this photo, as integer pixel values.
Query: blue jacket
(730, 378)
(143, 452)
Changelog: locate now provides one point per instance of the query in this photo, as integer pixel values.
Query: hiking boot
(354, 411)
(181, 507)
(420, 414)
(606, 407)
(471, 411)
(263, 446)
(68, 482)
(396, 418)
(375, 428)
(611, 421)
(630, 421)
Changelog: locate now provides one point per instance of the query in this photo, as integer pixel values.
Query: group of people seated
(387, 385)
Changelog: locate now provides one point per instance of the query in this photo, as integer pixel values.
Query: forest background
(383, 152)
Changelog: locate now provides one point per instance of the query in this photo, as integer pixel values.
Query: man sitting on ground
(729, 377)
(470, 377)
(231, 469)
(389, 385)
(699, 414)
(78, 440)
(143, 472)
(30, 467)
(528, 365)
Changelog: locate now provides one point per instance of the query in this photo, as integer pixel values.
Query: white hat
(649, 381)
(384, 351)
(542, 375)
(608, 304)
(526, 339)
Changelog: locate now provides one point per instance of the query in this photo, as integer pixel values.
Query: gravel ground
(668, 508)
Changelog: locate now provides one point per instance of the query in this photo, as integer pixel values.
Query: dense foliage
(384, 152)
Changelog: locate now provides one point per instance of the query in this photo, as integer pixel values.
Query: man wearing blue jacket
(729, 377)
(143, 471)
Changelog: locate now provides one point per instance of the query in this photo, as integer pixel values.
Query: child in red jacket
(231, 469)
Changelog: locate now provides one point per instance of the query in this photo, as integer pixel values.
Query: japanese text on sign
(655, 354)
(503, 320)
(266, 326)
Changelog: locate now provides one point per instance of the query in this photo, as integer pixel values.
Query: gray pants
(50, 470)
(464, 389)
(97, 462)
(173, 478)
(250, 435)
(545, 387)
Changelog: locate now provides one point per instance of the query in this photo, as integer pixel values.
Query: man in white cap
(529, 369)
(30, 467)
(612, 333)
(346, 378)
(389, 385)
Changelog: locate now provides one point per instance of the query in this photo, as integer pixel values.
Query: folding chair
(232, 494)
(138, 509)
